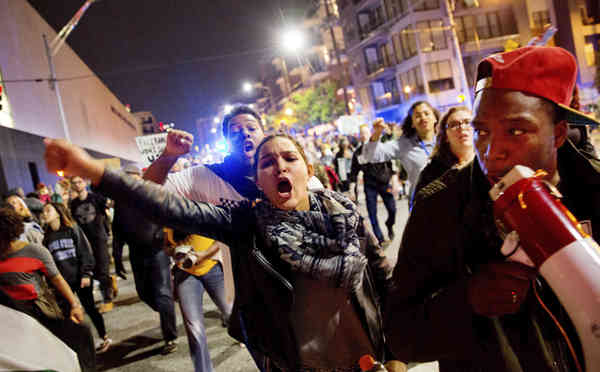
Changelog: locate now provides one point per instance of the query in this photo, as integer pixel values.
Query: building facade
(148, 122)
(402, 51)
(579, 32)
(94, 117)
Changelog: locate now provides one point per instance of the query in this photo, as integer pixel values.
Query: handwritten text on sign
(151, 146)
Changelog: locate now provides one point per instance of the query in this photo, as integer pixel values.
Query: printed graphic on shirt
(62, 249)
(85, 213)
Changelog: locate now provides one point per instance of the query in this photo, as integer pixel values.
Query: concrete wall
(96, 118)
(18, 152)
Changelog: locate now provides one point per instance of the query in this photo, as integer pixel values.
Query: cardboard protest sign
(151, 146)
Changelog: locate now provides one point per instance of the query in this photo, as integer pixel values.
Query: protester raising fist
(179, 143)
(62, 155)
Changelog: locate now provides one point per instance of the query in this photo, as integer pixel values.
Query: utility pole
(54, 86)
(337, 55)
(51, 49)
(461, 66)
(286, 77)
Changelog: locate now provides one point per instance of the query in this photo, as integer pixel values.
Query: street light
(292, 40)
(216, 120)
(227, 109)
(407, 89)
(289, 111)
(247, 87)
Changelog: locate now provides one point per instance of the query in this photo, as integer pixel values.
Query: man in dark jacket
(149, 263)
(455, 298)
(376, 179)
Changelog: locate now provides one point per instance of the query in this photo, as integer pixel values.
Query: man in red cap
(454, 296)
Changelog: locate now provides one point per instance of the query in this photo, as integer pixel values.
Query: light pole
(249, 87)
(292, 40)
(52, 49)
(461, 65)
(337, 55)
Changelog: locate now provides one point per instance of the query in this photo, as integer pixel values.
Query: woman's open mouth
(284, 188)
(248, 146)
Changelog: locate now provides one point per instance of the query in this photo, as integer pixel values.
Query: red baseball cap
(547, 72)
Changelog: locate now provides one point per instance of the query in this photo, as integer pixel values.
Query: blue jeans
(371, 193)
(190, 290)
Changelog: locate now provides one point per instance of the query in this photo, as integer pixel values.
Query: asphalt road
(137, 340)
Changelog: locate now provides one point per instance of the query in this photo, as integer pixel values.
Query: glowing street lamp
(216, 120)
(247, 87)
(289, 111)
(407, 89)
(292, 40)
(213, 130)
(227, 108)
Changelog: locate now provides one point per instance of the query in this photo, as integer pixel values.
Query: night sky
(180, 59)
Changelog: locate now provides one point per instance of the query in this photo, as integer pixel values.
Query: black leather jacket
(264, 294)
(450, 232)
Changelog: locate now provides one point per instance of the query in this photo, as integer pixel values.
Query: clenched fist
(62, 155)
(179, 143)
(379, 127)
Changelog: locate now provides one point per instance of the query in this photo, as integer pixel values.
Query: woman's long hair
(407, 125)
(442, 149)
(11, 227)
(66, 220)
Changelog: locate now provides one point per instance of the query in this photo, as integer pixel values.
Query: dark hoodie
(72, 253)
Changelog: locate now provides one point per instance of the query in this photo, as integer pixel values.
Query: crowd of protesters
(273, 234)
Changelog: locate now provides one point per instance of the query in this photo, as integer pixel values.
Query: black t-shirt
(90, 214)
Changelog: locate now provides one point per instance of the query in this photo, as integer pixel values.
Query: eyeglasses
(456, 125)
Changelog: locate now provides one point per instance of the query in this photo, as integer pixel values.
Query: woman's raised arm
(159, 205)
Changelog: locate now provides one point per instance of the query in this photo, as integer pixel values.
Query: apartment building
(406, 50)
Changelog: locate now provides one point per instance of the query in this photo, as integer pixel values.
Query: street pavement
(137, 339)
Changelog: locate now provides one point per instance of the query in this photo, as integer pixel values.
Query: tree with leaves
(317, 105)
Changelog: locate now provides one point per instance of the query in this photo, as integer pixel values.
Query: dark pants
(152, 277)
(371, 193)
(86, 296)
(76, 336)
(101, 271)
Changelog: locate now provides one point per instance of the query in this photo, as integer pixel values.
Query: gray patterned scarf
(322, 242)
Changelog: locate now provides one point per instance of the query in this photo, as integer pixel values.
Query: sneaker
(103, 345)
(170, 347)
(115, 288)
(106, 307)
